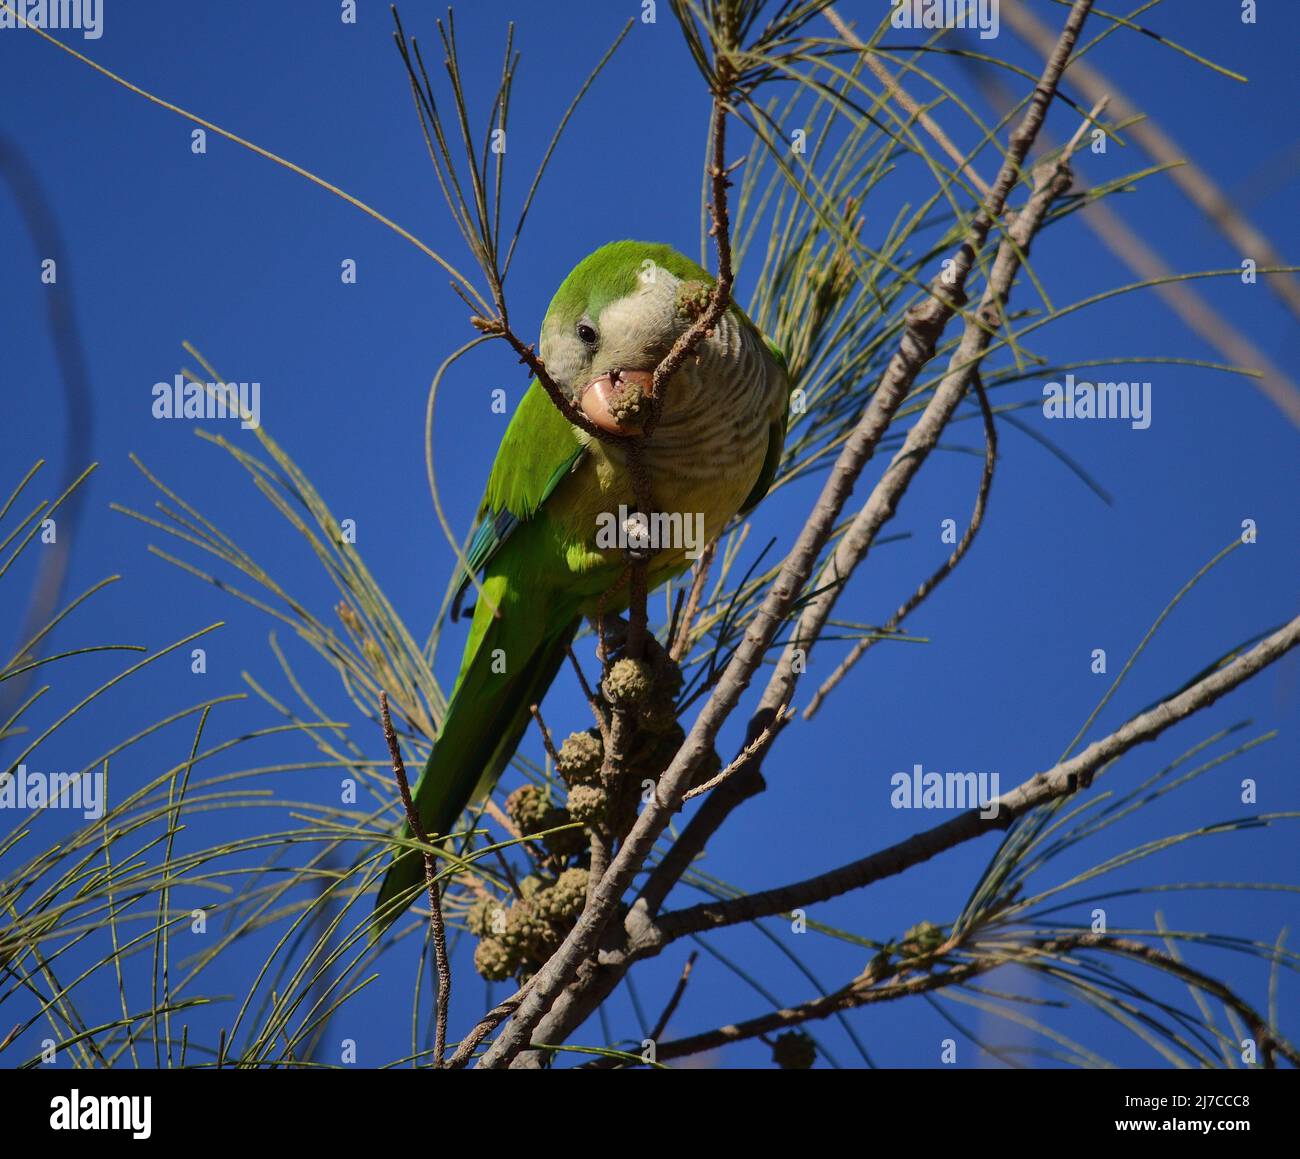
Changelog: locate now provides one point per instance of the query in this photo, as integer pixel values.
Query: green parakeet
(553, 487)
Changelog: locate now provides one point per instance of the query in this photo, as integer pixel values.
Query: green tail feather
(485, 721)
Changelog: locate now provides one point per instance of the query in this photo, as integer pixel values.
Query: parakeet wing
(538, 449)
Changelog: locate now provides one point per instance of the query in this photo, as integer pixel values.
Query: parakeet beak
(619, 401)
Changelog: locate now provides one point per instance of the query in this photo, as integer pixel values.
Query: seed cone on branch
(532, 811)
(628, 683)
(514, 940)
(794, 1050)
(527, 931)
(493, 961)
(528, 807)
(587, 803)
(647, 687)
(922, 938)
(581, 756)
(562, 902)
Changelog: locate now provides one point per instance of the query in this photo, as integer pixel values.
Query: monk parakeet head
(610, 324)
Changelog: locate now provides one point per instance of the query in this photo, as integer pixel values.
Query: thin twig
(682, 640)
(489, 1022)
(547, 742)
(720, 230)
(751, 751)
(436, 922)
(684, 347)
(623, 727)
(596, 710)
(1051, 180)
(863, 990)
(657, 1033)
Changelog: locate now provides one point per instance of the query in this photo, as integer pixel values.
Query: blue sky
(242, 258)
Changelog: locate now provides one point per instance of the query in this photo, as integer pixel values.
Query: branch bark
(1062, 780)
(1050, 181)
(863, 991)
(437, 925)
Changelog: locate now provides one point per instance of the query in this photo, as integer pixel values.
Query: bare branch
(547, 742)
(438, 926)
(1050, 182)
(490, 1021)
(863, 991)
(691, 842)
(681, 644)
(675, 1000)
(719, 300)
(1060, 781)
(752, 751)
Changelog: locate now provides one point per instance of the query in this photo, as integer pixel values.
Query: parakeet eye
(587, 332)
